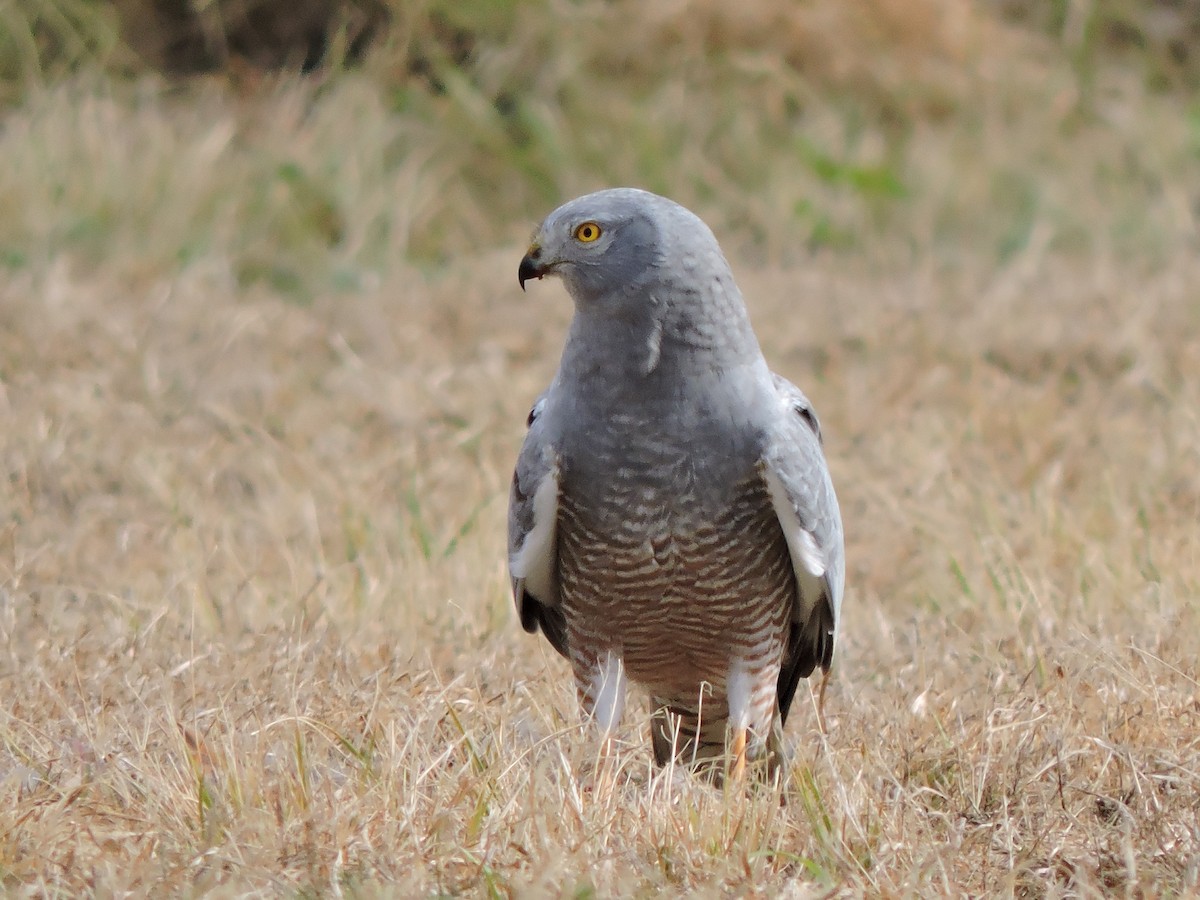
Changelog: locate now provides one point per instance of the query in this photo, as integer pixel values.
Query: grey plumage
(672, 517)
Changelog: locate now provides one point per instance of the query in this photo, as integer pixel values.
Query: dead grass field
(257, 426)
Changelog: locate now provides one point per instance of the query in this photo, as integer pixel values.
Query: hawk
(672, 520)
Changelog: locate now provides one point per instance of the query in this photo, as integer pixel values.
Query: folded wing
(801, 490)
(532, 535)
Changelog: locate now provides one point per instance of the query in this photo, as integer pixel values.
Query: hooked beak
(531, 266)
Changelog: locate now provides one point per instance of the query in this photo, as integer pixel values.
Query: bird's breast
(673, 557)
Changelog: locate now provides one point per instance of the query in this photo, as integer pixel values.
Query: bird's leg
(606, 693)
(738, 769)
(744, 693)
(821, 700)
(601, 686)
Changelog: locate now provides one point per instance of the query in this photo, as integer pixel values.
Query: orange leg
(821, 701)
(739, 754)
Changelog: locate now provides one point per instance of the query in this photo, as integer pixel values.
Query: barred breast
(678, 578)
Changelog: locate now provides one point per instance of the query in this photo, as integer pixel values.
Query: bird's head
(602, 245)
(648, 280)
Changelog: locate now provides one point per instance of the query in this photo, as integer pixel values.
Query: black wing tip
(535, 614)
(808, 650)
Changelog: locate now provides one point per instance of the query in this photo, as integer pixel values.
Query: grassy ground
(264, 368)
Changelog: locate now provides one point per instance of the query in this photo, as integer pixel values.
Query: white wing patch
(810, 553)
(533, 561)
(808, 561)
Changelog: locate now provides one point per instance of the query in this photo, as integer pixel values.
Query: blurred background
(872, 128)
(265, 368)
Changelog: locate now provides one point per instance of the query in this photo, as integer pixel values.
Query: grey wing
(532, 535)
(802, 494)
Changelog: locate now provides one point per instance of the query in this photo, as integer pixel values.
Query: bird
(672, 520)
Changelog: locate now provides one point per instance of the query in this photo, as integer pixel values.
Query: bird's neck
(651, 364)
(660, 337)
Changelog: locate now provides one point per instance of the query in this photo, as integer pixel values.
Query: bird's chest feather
(640, 481)
(661, 526)
(663, 511)
(678, 577)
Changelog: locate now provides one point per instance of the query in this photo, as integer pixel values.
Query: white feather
(810, 553)
(738, 688)
(608, 687)
(533, 561)
(808, 561)
(653, 347)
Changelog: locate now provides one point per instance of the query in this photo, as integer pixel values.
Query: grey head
(641, 267)
(603, 241)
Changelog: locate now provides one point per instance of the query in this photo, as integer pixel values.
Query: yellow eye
(587, 232)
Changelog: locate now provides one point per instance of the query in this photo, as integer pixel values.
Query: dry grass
(255, 631)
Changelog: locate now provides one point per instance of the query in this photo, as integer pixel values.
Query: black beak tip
(529, 269)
